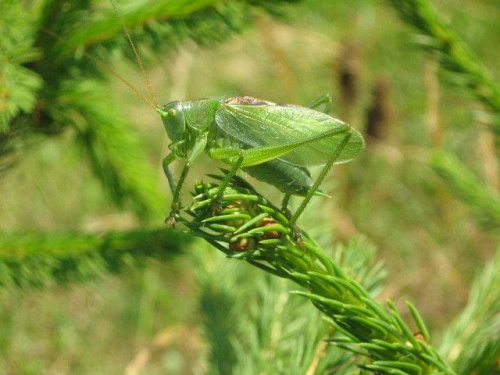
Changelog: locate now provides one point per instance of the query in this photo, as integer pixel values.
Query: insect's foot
(297, 235)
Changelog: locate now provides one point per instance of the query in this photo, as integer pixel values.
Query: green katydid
(272, 142)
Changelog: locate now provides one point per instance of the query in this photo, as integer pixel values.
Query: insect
(272, 142)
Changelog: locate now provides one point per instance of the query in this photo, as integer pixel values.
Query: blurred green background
(365, 57)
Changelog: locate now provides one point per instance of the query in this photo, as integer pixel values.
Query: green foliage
(67, 97)
(221, 309)
(464, 70)
(468, 187)
(472, 342)
(253, 324)
(115, 155)
(19, 85)
(284, 335)
(163, 26)
(252, 229)
(33, 259)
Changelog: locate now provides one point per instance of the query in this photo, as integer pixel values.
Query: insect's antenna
(137, 57)
(110, 70)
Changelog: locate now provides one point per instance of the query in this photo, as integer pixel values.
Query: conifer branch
(469, 188)
(472, 343)
(253, 325)
(31, 259)
(164, 26)
(464, 70)
(111, 147)
(18, 85)
(251, 228)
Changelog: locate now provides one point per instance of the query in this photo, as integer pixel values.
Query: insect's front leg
(176, 204)
(198, 148)
(166, 169)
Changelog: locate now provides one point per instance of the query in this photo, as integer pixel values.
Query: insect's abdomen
(286, 177)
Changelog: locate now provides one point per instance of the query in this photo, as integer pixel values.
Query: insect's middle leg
(217, 204)
(324, 99)
(285, 201)
(226, 154)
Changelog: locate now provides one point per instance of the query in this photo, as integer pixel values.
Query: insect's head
(174, 120)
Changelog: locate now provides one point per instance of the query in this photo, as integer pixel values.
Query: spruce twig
(250, 228)
(466, 185)
(252, 325)
(472, 343)
(464, 70)
(31, 259)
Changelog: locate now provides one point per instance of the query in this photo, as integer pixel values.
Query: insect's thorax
(200, 114)
(187, 121)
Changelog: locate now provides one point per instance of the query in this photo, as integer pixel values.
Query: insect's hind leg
(327, 100)
(321, 177)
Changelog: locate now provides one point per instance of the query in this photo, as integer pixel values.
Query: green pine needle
(469, 188)
(31, 259)
(472, 343)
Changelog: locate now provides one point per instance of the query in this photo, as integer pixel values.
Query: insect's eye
(172, 112)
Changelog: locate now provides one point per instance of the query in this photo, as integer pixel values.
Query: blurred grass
(431, 244)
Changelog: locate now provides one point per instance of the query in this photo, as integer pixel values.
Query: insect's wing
(274, 125)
